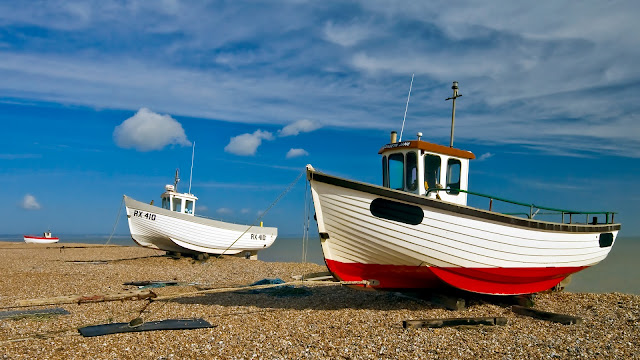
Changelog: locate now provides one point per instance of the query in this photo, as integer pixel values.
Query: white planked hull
(468, 248)
(158, 228)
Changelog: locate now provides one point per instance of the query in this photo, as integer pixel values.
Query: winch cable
(304, 225)
(116, 224)
(306, 221)
(138, 320)
(269, 208)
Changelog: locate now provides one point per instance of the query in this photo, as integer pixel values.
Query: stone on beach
(331, 322)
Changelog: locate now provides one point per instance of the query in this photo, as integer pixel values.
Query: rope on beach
(269, 208)
(60, 332)
(306, 221)
(116, 224)
(291, 185)
(257, 287)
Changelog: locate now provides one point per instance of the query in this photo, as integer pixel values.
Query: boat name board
(146, 215)
(259, 237)
(397, 145)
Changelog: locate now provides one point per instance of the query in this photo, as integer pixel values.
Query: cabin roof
(178, 195)
(427, 146)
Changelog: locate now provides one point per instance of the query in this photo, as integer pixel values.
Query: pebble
(332, 322)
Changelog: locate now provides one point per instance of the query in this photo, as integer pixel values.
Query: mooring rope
(269, 208)
(306, 221)
(57, 333)
(116, 224)
(248, 228)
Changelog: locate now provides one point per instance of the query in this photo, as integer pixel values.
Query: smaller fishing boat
(46, 238)
(176, 228)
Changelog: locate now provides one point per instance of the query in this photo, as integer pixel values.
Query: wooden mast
(453, 111)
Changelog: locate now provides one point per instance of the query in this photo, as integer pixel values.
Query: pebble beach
(319, 320)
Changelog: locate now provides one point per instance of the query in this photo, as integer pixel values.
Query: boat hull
(398, 240)
(40, 240)
(158, 228)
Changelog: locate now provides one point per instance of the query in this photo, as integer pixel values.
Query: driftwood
(79, 299)
(448, 302)
(445, 301)
(317, 276)
(153, 283)
(548, 316)
(438, 323)
(27, 313)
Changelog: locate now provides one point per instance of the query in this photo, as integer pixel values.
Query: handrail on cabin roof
(530, 206)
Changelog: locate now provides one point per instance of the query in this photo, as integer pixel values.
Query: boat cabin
(179, 202)
(426, 169)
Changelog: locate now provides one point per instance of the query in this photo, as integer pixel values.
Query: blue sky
(100, 99)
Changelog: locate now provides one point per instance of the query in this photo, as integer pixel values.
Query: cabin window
(189, 207)
(412, 171)
(385, 172)
(165, 203)
(453, 176)
(432, 171)
(396, 171)
(177, 205)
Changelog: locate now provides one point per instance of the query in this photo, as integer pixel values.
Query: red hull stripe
(505, 281)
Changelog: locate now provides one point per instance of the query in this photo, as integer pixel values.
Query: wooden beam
(548, 316)
(79, 299)
(28, 313)
(438, 323)
(449, 302)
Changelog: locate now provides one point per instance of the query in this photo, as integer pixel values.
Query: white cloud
(245, 211)
(347, 35)
(224, 211)
(296, 153)
(485, 156)
(299, 126)
(515, 62)
(146, 131)
(29, 202)
(247, 144)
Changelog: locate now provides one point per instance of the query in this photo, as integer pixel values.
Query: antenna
(193, 151)
(453, 111)
(176, 180)
(407, 107)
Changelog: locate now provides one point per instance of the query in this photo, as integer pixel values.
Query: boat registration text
(146, 215)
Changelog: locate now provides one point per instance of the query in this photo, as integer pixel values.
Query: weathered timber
(79, 299)
(366, 283)
(27, 313)
(524, 300)
(316, 276)
(321, 278)
(153, 283)
(548, 316)
(438, 323)
(447, 301)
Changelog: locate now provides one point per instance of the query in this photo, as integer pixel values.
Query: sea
(619, 272)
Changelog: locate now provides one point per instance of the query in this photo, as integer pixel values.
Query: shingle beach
(320, 321)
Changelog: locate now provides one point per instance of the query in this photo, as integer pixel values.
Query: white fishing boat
(46, 238)
(416, 231)
(174, 227)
